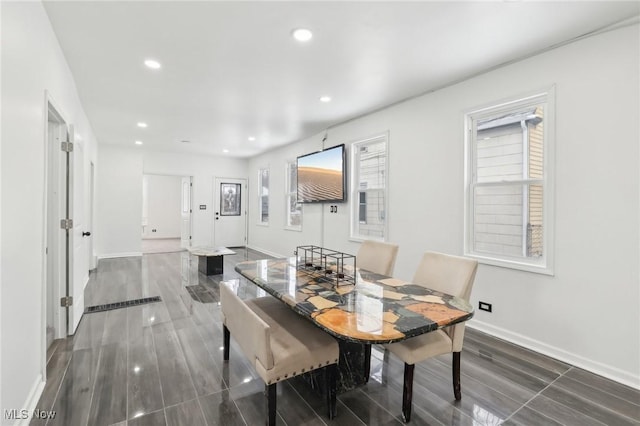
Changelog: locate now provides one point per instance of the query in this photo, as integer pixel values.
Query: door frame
(52, 108)
(191, 179)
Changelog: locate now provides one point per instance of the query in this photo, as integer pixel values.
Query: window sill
(358, 239)
(512, 264)
(262, 224)
(293, 228)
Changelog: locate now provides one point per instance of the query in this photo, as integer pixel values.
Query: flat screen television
(322, 176)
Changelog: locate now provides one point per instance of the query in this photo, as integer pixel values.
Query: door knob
(86, 234)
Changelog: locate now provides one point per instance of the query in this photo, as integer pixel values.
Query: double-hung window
(263, 196)
(508, 184)
(293, 208)
(369, 189)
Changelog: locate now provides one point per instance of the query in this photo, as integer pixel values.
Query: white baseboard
(32, 400)
(270, 253)
(613, 373)
(115, 255)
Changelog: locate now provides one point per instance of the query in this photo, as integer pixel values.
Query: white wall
(164, 206)
(119, 202)
(589, 312)
(120, 193)
(32, 63)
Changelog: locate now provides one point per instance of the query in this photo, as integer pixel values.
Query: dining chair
(279, 344)
(378, 257)
(447, 274)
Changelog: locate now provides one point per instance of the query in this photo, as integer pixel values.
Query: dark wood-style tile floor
(161, 364)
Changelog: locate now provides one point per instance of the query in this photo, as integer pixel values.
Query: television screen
(321, 176)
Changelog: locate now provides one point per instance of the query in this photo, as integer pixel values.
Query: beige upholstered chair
(452, 275)
(377, 257)
(279, 343)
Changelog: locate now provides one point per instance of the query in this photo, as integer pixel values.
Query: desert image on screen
(320, 176)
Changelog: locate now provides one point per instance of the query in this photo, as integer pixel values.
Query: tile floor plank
(185, 414)
(109, 399)
(144, 393)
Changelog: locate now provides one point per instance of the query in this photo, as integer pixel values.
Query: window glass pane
(369, 181)
(498, 219)
(534, 224)
(508, 220)
(505, 143)
(371, 165)
(371, 214)
(293, 178)
(295, 211)
(362, 214)
(264, 195)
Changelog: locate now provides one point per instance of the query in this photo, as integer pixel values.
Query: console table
(210, 259)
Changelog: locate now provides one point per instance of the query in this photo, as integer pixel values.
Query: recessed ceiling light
(325, 99)
(138, 142)
(302, 34)
(251, 138)
(225, 151)
(141, 124)
(152, 63)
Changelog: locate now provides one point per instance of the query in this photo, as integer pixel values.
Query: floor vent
(118, 305)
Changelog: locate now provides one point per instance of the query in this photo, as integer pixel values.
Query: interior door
(230, 212)
(78, 255)
(185, 228)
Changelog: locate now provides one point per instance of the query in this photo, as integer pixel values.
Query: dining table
(376, 309)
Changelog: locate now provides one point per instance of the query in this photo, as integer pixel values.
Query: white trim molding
(31, 402)
(613, 373)
(115, 255)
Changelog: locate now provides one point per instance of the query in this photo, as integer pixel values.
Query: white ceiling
(231, 70)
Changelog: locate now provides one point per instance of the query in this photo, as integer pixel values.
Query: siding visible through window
(369, 183)
(263, 176)
(507, 182)
(362, 213)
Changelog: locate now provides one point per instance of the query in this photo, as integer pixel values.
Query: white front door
(185, 225)
(230, 212)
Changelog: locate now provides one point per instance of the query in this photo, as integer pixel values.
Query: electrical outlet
(484, 306)
(153, 230)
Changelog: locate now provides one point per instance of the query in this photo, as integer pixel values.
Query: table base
(353, 368)
(210, 265)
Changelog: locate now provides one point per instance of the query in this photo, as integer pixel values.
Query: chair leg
(407, 392)
(271, 404)
(456, 375)
(331, 383)
(226, 341)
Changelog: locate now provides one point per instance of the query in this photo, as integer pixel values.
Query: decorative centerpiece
(326, 264)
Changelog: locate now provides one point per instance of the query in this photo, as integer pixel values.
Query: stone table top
(377, 309)
(210, 251)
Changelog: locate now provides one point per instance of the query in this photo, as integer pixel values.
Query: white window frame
(261, 195)
(290, 190)
(543, 265)
(354, 219)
